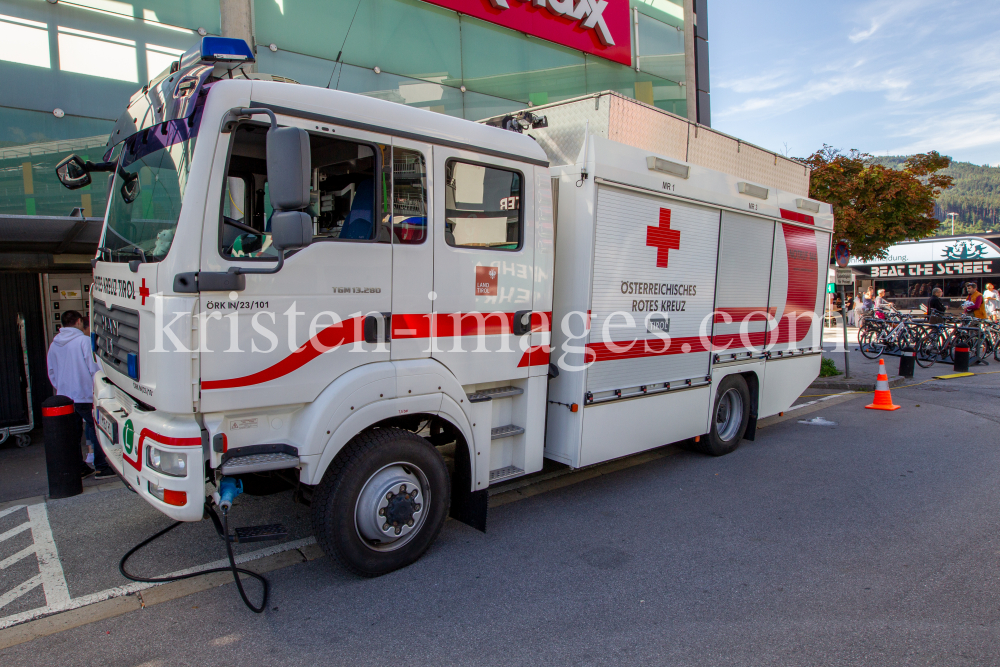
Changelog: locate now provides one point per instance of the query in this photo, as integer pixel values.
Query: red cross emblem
(663, 238)
(143, 291)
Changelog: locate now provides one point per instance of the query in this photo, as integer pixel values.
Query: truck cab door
(289, 334)
(483, 237)
(412, 249)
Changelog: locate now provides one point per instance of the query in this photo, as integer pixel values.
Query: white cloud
(929, 81)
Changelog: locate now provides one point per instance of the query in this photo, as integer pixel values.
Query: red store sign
(600, 27)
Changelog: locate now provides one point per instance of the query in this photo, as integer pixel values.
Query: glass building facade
(69, 68)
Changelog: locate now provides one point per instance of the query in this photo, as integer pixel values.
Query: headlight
(168, 463)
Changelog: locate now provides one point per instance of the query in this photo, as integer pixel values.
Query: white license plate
(107, 424)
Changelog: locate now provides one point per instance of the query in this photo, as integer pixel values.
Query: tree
(875, 206)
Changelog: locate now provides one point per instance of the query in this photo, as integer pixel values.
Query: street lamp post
(952, 216)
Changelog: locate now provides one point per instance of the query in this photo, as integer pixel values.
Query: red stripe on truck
(404, 325)
(448, 325)
(743, 314)
(342, 333)
(803, 284)
(797, 217)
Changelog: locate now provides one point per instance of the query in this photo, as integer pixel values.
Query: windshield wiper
(129, 244)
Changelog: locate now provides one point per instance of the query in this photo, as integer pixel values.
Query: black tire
(925, 350)
(725, 435)
(870, 345)
(359, 467)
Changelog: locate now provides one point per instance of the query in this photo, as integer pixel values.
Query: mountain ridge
(975, 196)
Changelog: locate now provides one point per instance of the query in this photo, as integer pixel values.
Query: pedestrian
(71, 371)
(992, 302)
(936, 308)
(975, 304)
(881, 305)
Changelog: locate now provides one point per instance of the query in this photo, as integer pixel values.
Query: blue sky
(883, 76)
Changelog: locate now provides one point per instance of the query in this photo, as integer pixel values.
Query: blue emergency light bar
(220, 50)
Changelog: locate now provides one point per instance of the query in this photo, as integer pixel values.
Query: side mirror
(291, 229)
(72, 172)
(130, 189)
(289, 167)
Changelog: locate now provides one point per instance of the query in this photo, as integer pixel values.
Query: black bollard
(907, 361)
(961, 359)
(62, 429)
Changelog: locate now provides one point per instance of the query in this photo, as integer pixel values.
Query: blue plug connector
(229, 488)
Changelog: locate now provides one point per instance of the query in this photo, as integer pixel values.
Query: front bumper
(137, 430)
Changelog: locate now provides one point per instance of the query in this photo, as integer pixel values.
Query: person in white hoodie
(71, 371)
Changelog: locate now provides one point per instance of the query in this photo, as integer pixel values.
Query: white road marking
(135, 587)
(10, 510)
(20, 590)
(10, 560)
(15, 531)
(825, 398)
(53, 579)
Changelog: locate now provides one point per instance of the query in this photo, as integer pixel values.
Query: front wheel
(382, 501)
(729, 418)
(870, 344)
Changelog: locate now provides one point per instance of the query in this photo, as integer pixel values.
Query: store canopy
(42, 242)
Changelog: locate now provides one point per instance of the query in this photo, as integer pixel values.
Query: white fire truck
(392, 309)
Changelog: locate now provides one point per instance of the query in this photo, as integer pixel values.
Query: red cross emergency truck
(391, 310)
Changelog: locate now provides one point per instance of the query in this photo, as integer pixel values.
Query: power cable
(223, 529)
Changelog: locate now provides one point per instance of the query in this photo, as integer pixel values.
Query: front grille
(116, 337)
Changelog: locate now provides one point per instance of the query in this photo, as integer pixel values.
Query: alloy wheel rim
(392, 506)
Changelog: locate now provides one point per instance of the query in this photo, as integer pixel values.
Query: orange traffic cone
(883, 399)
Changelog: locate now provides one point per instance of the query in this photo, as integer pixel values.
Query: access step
(494, 392)
(259, 458)
(273, 531)
(501, 474)
(507, 431)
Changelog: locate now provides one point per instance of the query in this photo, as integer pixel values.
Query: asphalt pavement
(871, 541)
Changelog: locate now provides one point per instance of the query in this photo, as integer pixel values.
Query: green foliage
(827, 368)
(975, 197)
(876, 206)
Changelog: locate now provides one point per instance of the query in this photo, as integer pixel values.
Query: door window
(346, 196)
(482, 206)
(409, 196)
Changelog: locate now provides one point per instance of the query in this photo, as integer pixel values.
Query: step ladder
(502, 431)
(259, 458)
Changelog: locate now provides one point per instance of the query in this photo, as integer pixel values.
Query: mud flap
(751, 432)
(469, 507)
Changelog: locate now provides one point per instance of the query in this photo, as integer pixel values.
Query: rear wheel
(382, 501)
(926, 350)
(729, 418)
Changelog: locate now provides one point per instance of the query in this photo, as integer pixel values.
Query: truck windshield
(147, 192)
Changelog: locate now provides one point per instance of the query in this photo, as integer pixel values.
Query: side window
(482, 206)
(343, 190)
(344, 204)
(409, 196)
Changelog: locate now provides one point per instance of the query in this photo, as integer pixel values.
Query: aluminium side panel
(621, 428)
(653, 290)
(568, 124)
(742, 299)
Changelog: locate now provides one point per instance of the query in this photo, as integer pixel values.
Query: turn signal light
(169, 496)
